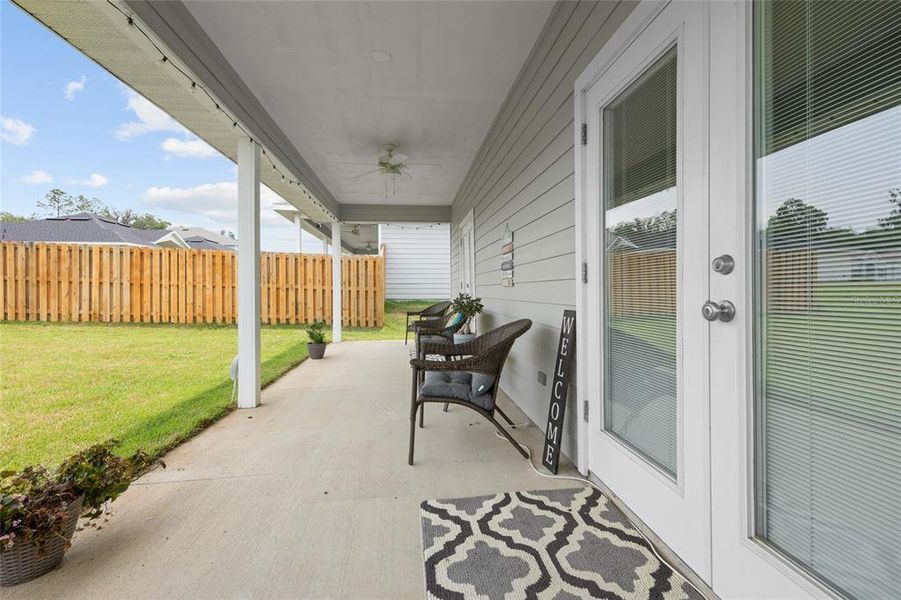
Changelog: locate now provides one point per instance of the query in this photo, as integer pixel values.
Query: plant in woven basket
(469, 307)
(34, 508)
(102, 476)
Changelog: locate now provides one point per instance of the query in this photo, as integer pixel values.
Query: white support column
(336, 281)
(325, 245)
(298, 223)
(248, 273)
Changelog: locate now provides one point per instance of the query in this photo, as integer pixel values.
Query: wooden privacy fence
(130, 284)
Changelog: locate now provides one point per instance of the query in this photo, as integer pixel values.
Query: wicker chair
(434, 312)
(484, 355)
(437, 331)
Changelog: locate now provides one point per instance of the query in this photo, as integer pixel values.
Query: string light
(164, 60)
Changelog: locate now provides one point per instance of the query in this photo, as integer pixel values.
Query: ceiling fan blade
(358, 164)
(406, 172)
(372, 172)
(421, 164)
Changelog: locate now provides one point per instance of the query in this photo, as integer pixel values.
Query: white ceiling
(308, 63)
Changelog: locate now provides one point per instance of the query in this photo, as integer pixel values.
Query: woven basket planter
(22, 563)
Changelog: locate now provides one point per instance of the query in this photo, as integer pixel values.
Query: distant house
(198, 237)
(87, 228)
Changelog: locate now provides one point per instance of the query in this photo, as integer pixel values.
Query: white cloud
(96, 180)
(73, 87)
(37, 177)
(195, 148)
(150, 118)
(15, 131)
(215, 206)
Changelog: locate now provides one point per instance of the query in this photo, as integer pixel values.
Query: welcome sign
(562, 366)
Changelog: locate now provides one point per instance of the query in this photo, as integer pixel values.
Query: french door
(646, 205)
(741, 223)
(467, 255)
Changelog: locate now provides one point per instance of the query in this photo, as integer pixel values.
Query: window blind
(641, 225)
(828, 162)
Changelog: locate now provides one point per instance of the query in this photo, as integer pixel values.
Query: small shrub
(469, 307)
(316, 332)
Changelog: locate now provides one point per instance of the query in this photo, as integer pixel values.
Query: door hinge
(585, 410)
(584, 272)
(584, 134)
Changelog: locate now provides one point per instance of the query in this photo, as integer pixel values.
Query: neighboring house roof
(219, 241)
(88, 228)
(201, 243)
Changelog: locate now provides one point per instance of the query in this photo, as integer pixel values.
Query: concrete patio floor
(308, 495)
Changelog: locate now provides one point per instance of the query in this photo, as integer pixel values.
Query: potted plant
(39, 509)
(316, 345)
(469, 307)
(38, 516)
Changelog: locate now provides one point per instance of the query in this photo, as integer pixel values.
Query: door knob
(722, 311)
(723, 264)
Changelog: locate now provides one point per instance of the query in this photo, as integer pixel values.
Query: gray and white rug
(555, 544)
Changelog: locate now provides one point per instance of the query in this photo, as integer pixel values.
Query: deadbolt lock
(718, 311)
(723, 264)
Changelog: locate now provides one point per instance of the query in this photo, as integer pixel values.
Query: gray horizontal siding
(523, 176)
(418, 260)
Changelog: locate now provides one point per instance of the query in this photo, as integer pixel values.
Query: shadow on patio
(308, 495)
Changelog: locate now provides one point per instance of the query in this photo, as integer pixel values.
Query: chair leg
(413, 407)
(509, 438)
(504, 415)
(446, 406)
(422, 416)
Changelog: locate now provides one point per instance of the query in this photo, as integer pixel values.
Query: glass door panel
(828, 327)
(641, 224)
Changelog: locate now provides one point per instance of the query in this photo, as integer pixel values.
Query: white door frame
(468, 255)
(741, 566)
(676, 509)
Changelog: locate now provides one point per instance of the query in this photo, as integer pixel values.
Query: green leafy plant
(316, 332)
(469, 307)
(34, 507)
(101, 475)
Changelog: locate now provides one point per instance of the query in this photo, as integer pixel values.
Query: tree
(893, 220)
(83, 204)
(795, 223)
(127, 216)
(57, 201)
(8, 217)
(149, 221)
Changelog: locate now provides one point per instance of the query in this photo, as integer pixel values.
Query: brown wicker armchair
(435, 312)
(455, 381)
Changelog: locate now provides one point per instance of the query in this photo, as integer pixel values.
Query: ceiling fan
(391, 165)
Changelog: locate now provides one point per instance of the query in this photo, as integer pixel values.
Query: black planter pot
(316, 351)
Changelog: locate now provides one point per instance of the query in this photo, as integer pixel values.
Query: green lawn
(65, 386)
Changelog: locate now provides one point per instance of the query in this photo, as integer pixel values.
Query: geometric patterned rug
(555, 544)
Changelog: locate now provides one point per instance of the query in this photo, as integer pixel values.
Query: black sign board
(562, 367)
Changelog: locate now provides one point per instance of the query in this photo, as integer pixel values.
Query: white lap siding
(523, 175)
(418, 264)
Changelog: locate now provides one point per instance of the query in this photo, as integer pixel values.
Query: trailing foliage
(101, 475)
(34, 503)
(34, 507)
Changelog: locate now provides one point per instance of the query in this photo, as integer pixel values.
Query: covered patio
(309, 495)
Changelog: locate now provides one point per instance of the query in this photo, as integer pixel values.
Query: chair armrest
(445, 349)
(466, 364)
(410, 313)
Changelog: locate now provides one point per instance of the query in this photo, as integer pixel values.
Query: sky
(66, 123)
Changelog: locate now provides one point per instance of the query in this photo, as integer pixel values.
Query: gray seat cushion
(454, 385)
